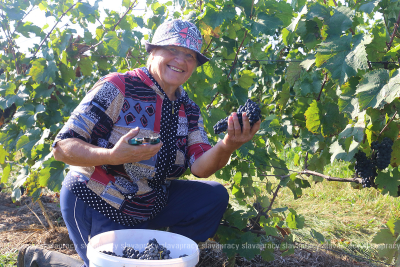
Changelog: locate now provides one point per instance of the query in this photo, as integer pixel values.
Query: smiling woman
(113, 185)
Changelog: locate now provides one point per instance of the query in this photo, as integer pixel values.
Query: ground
(23, 223)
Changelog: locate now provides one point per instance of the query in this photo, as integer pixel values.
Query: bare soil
(23, 223)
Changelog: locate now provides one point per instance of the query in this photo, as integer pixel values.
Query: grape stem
(384, 128)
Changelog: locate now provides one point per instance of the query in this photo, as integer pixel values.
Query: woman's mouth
(175, 69)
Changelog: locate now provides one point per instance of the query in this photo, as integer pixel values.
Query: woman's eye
(190, 56)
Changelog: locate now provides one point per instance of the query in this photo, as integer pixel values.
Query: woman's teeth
(175, 69)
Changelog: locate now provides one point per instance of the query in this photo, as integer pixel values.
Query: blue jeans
(194, 209)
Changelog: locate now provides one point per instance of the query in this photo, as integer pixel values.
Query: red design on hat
(183, 32)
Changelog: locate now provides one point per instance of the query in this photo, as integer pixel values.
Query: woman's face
(172, 66)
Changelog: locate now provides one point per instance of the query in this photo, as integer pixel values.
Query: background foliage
(325, 73)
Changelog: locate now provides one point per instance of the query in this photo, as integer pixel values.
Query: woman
(113, 185)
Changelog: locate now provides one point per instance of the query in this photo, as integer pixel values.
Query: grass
(8, 259)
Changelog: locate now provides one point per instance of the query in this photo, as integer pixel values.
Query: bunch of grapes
(152, 251)
(383, 152)
(366, 168)
(252, 110)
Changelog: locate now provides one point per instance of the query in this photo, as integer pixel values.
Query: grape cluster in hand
(252, 110)
(383, 152)
(366, 168)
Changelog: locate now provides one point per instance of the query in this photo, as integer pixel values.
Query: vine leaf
(27, 141)
(344, 56)
(347, 102)
(340, 21)
(27, 114)
(3, 154)
(52, 174)
(369, 6)
(388, 182)
(376, 89)
(6, 174)
(43, 72)
(246, 79)
(265, 24)
(294, 221)
(318, 236)
(357, 130)
(214, 18)
(313, 118)
(385, 236)
(395, 161)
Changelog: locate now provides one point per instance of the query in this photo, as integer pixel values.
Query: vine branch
(322, 86)
(233, 66)
(384, 128)
(326, 177)
(58, 20)
(115, 26)
(396, 25)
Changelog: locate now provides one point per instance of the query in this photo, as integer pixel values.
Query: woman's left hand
(237, 136)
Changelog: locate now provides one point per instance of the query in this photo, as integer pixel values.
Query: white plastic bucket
(116, 241)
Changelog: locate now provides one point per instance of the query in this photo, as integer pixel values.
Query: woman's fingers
(131, 134)
(246, 123)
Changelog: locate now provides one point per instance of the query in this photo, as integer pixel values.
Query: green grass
(8, 259)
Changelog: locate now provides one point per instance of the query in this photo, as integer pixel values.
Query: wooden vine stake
(45, 215)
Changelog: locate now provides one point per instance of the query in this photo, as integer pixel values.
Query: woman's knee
(220, 193)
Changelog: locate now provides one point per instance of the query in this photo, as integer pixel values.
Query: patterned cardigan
(133, 192)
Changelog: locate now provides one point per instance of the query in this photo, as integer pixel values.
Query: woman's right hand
(123, 152)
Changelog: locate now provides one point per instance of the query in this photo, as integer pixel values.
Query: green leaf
(318, 236)
(27, 114)
(341, 20)
(7, 89)
(395, 161)
(41, 72)
(369, 6)
(370, 89)
(265, 24)
(237, 178)
(384, 236)
(388, 182)
(215, 18)
(3, 154)
(6, 174)
(43, 91)
(86, 65)
(246, 5)
(357, 130)
(348, 60)
(332, 122)
(293, 72)
(240, 94)
(348, 103)
(27, 141)
(313, 117)
(246, 79)
(294, 221)
(52, 174)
